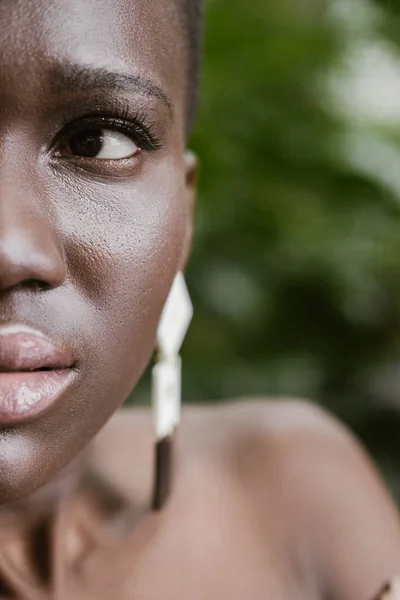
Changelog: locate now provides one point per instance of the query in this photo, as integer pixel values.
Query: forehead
(139, 37)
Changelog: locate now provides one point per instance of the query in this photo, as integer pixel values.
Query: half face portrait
(95, 215)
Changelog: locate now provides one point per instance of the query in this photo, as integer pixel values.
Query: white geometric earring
(166, 383)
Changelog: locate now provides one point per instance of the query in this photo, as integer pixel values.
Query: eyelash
(136, 126)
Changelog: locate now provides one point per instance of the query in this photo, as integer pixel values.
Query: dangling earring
(166, 383)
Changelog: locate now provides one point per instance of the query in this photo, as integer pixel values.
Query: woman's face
(94, 209)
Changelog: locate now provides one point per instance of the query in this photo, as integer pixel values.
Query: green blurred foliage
(295, 266)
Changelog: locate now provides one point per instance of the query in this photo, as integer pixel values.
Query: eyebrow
(65, 77)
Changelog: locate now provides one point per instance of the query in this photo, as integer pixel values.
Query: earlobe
(191, 170)
(191, 176)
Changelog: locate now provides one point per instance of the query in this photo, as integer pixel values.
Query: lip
(34, 372)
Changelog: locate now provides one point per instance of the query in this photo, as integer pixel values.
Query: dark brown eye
(102, 144)
(87, 143)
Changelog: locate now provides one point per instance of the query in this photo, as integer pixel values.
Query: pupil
(87, 143)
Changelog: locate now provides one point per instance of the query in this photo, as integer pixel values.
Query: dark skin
(269, 500)
(98, 235)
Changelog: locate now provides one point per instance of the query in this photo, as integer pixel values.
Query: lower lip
(24, 395)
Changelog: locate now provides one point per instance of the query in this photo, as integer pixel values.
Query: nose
(30, 251)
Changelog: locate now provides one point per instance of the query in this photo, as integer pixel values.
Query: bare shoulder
(305, 482)
(329, 492)
(305, 470)
(283, 431)
(282, 418)
(294, 438)
(245, 438)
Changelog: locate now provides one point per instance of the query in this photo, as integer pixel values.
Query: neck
(45, 501)
(32, 535)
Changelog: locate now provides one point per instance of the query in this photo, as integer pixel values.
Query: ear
(191, 173)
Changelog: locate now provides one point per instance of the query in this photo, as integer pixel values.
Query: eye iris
(87, 143)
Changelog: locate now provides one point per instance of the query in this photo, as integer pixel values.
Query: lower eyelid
(105, 172)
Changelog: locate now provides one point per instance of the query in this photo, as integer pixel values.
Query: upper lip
(25, 349)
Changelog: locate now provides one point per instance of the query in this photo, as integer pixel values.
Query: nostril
(37, 285)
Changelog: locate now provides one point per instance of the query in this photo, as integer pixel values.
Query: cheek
(123, 250)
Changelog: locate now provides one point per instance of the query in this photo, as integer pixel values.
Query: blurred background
(295, 273)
